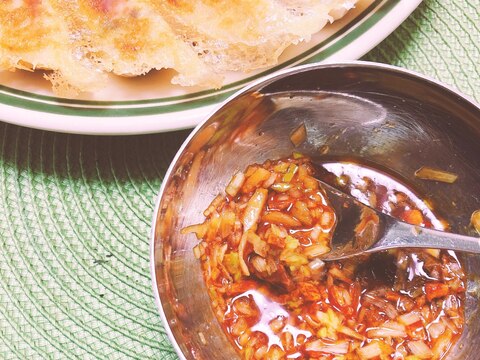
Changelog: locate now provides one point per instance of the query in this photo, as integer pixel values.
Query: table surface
(75, 213)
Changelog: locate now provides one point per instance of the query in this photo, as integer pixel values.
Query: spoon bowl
(382, 232)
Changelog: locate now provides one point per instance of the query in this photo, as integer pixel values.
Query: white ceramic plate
(150, 103)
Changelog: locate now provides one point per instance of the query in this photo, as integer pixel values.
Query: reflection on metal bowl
(383, 115)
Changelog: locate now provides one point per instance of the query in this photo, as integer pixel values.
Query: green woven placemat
(75, 213)
(440, 39)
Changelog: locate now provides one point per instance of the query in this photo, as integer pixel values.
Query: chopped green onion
(427, 173)
(281, 187)
(292, 170)
(299, 135)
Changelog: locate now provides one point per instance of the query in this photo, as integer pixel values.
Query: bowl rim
(279, 74)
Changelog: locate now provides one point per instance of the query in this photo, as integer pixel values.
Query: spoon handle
(400, 235)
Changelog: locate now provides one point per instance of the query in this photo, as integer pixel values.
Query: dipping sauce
(275, 299)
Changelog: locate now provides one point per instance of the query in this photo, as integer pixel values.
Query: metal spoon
(361, 229)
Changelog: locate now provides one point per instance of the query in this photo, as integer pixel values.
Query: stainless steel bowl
(385, 115)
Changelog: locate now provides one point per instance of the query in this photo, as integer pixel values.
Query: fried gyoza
(81, 41)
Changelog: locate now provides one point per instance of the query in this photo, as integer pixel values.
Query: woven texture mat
(75, 213)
